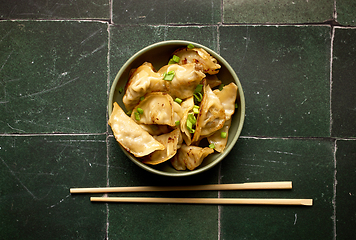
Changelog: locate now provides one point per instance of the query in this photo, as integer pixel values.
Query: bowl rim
(220, 60)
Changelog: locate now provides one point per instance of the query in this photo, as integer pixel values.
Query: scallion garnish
(221, 86)
(199, 88)
(196, 109)
(169, 75)
(174, 59)
(177, 123)
(198, 96)
(121, 90)
(212, 145)
(137, 116)
(236, 106)
(190, 46)
(129, 112)
(178, 100)
(190, 126)
(192, 118)
(141, 98)
(223, 135)
(140, 110)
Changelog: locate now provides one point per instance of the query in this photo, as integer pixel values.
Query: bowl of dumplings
(176, 108)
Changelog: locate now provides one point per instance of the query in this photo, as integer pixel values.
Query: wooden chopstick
(239, 186)
(254, 201)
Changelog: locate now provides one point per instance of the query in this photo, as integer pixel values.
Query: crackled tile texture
(344, 83)
(51, 9)
(166, 12)
(281, 11)
(48, 85)
(285, 75)
(36, 174)
(309, 164)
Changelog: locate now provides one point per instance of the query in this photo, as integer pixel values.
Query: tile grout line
(331, 77)
(334, 191)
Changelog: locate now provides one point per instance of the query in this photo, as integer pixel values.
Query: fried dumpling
(213, 81)
(172, 141)
(217, 139)
(187, 106)
(157, 108)
(190, 157)
(199, 56)
(154, 129)
(142, 81)
(185, 80)
(227, 98)
(130, 135)
(211, 116)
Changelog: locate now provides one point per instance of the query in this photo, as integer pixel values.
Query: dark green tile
(346, 12)
(167, 12)
(125, 41)
(281, 11)
(344, 83)
(285, 75)
(309, 164)
(36, 174)
(158, 221)
(38, 9)
(53, 77)
(346, 189)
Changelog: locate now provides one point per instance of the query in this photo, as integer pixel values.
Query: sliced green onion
(178, 100)
(121, 90)
(141, 98)
(177, 123)
(221, 86)
(223, 134)
(137, 116)
(236, 106)
(199, 88)
(174, 59)
(190, 126)
(140, 110)
(190, 46)
(129, 112)
(196, 109)
(212, 145)
(169, 75)
(192, 118)
(198, 96)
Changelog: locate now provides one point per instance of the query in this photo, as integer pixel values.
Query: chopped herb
(223, 134)
(174, 59)
(190, 126)
(129, 113)
(192, 118)
(221, 86)
(198, 97)
(141, 98)
(121, 90)
(196, 109)
(169, 75)
(190, 46)
(140, 110)
(199, 88)
(177, 123)
(137, 116)
(212, 145)
(178, 100)
(236, 106)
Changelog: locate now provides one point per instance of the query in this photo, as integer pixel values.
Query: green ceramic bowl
(159, 54)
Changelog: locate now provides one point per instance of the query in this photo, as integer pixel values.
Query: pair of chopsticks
(218, 187)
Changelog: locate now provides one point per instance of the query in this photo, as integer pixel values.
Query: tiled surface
(57, 61)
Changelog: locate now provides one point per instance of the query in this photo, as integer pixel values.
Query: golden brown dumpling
(218, 141)
(130, 135)
(172, 141)
(142, 81)
(227, 98)
(185, 80)
(187, 107)
(190, 157)
(199, 56)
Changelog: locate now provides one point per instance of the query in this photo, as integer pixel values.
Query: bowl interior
(159, 54)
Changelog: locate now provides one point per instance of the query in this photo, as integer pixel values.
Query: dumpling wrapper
(130, 135)
(219, 142)
(213, 81)
(155, 130)
(172, 141)
(227, 97)
(211, 116)
(187, 106)
(185, 80)
(142, 81)
(199, 56)
(158, 108)
(190, 157)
